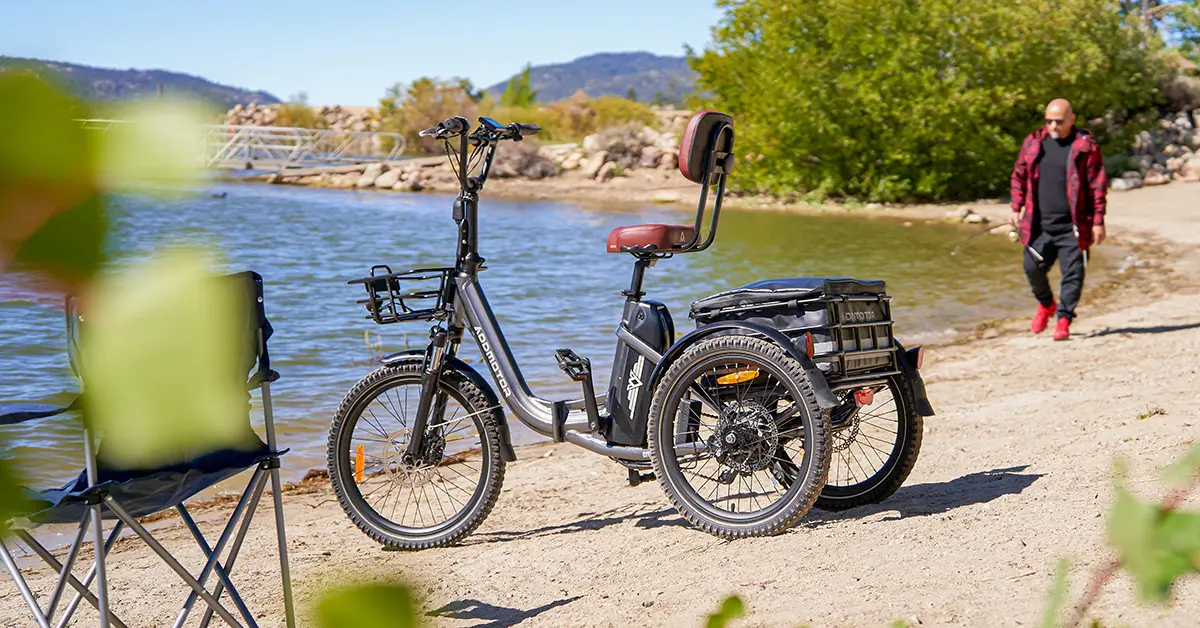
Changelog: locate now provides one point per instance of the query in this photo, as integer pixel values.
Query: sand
(1015, 473)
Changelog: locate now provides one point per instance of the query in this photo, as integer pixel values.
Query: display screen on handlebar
(491, 124)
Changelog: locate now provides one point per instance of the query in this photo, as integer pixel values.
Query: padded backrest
(697, 143)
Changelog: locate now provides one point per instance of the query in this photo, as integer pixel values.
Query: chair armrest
(13, 413)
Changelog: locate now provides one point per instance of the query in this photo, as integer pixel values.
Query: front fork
(432, 396)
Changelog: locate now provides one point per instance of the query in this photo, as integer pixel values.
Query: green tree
(631, 95)
(917, 99)
(422, 104)
(519, 92)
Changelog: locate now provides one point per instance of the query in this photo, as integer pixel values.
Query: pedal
(575, 367)
(637, 477)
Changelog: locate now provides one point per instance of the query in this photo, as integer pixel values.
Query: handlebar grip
(457, 124)
(526, 129)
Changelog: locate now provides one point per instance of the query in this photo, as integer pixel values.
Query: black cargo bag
(849, 319)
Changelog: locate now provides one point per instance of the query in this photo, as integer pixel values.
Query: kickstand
(636, 477)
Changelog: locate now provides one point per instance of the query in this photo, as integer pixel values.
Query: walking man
(1058, 203)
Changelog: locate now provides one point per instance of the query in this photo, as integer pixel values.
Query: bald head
(1060, 119)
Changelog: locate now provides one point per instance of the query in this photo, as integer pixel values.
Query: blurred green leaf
(1185, 471)
(162, 360)
(70, 245)
(731, 608)
(12, 498)
(160, 143)
(1056, 601)
(1155, 545)
(42, 140)
(369, 606)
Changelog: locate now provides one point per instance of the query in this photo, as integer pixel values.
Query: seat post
(634, 293)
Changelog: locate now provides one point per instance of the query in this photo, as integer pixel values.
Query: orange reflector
(920, 357)
(738, 377)
(864, 396)
(809, 347)
(358, 464)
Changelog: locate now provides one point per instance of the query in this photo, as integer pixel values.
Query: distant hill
(109, 84)
(611, 73)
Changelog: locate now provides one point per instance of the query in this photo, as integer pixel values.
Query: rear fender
(825, 397)
(462, 368)
(908, 366)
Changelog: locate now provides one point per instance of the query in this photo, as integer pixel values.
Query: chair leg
(22, 586)
(166, 556)
(235, 548)
(89, 457)
(277, 498)
(61, 586)
(80, 587)
(213, 554)
(82, 591)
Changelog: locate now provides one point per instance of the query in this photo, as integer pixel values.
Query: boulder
(1174, 164)
(669, 160)
(389, 178)
(1121, 185)
(572, 161)
(1144, 163)
(976, 219)
(651, 157)
(364, 181)
(1156, 178)
(373, 170)
(963, 212)
(1171, 150)
(606, 172)
(591, 143)
(593, 164)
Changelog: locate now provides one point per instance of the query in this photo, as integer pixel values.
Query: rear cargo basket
(850, 320)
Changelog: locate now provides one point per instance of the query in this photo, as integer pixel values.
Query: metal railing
(277, 147)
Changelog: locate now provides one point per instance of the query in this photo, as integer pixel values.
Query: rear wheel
(725, 415)
(447, 490)
(876, 439)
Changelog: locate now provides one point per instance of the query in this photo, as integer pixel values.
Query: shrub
(916, 100)
(421, 105)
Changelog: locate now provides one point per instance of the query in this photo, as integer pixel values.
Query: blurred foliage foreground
(160, 340)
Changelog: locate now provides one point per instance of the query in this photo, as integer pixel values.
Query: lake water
(549, 280)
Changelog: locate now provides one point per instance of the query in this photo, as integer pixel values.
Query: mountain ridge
(610, 73)
(111, 84)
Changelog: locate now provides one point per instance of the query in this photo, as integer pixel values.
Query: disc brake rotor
(745, 437)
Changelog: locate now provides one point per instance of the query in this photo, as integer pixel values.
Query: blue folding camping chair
(105, 492)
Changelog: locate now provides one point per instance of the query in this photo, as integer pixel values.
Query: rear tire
(759, 403)
(859, 450)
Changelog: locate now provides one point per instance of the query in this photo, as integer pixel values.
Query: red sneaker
(1041, 318)
(1063, 331)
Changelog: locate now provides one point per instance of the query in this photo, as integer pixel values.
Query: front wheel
(434, 498)
(726, 417)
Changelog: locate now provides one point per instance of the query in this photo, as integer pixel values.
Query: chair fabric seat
(144, 492)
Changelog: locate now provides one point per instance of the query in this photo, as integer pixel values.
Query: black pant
(1062, 247)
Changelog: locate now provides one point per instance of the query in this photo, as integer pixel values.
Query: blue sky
(344, 52)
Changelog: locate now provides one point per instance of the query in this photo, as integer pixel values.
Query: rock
(1161, 158)
(669, 160)
(651, 157)
(1174, 164)
(1131, 174)
(389, 178)
(347, 180)
(1158, 168)
(874, 205)
(1171, 150)
(1001, 230)
(364, 181)
(593, 164)
(976, 219)
(591, 143)
(606, 172)
(373, 170)
(666, 197)
(963, 212)
(1121, 185)
(572, 161)
(1145, 162)
(1156, 178)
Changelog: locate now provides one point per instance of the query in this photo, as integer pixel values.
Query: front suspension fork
(431, 395)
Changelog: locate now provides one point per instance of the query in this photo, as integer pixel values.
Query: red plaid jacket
(1085, 172)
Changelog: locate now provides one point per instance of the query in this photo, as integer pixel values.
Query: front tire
(431, 502)
(724, 416)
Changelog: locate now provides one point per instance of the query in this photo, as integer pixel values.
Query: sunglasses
(1049, 121)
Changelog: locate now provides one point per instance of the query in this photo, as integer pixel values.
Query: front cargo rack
(399, 297)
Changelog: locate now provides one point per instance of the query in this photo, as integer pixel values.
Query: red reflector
(808, 345)
(920, 357)
(864, 396)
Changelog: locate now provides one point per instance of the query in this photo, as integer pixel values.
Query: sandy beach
(1015, 473)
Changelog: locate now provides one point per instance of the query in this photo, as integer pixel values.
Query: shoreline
(1014, 473)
